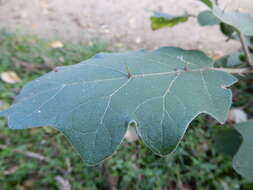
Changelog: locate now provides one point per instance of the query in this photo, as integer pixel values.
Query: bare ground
(122, 23)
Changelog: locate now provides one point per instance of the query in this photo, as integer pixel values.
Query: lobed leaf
(243, 160)
(159, 92)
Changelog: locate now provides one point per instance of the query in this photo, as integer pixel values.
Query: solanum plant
(236, 26)
(157, 92)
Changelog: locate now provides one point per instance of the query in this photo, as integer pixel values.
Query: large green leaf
(243, 160)
(161, 20)
(92, 103)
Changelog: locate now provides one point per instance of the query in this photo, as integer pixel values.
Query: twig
(239, 71)
(34, 156)
(33, 67)
(62, 183)
(29, 154)
(245, 48)
(68, 163)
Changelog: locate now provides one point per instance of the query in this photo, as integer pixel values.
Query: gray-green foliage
(232, 60)
(230, 23)
(93, 102)
(206, 18)
(243, 160)
(241, 22)
(235, 59)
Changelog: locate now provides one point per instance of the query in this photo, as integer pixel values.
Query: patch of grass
(194, 165)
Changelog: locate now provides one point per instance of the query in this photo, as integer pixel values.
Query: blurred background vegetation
(41, 158)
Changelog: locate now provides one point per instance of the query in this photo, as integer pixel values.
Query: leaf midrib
(178, 72)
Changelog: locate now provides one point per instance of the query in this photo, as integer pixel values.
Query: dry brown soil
(122, 23)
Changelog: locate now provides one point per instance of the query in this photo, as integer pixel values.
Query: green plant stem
(245, 49)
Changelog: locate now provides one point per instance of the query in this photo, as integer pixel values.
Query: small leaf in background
(228, 31)
(226, 140)
(56, 44)
(235, 59)
(10, 77)
(93, 102)
(209, 3)
(206, 18)
(243, 160)
(232, 21)
(221, 61)
(242, 22)
(231, 60)
(160, 20)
